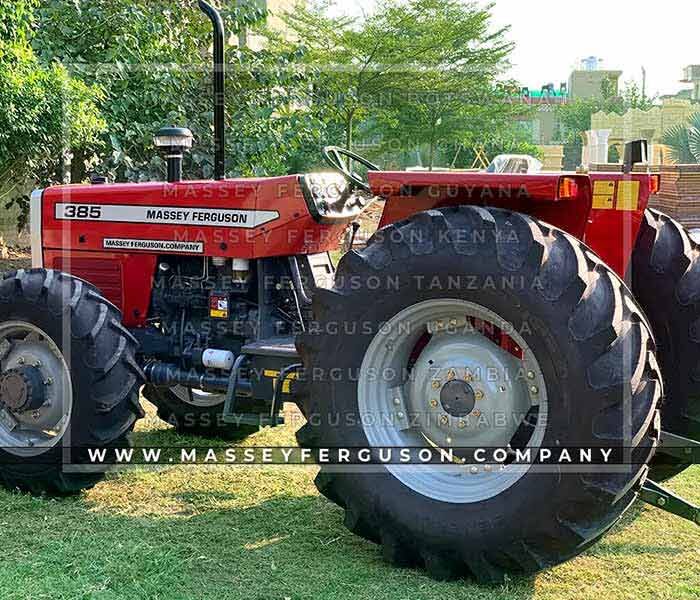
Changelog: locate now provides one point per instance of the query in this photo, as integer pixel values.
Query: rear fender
(604, 210)
(562, 200)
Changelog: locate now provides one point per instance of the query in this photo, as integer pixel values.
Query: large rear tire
(66, 343)
(595, 365)
(665, 279)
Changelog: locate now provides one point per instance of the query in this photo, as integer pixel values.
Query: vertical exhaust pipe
(219, 82)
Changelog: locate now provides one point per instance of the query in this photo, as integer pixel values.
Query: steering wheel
(334, 157)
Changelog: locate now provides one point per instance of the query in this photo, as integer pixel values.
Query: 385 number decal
(79, 211)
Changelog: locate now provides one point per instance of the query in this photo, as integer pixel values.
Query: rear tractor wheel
(665, 279)
(68, 380)
(464, 328)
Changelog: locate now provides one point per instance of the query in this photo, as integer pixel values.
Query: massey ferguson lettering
(167, 215)
(201, 216)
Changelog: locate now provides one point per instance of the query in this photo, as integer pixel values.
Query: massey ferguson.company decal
(153, 245)
(165, 215)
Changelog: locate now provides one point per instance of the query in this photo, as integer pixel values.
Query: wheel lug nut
(20, 360)
(534, 389)
(36, 414)
(502, 389)
(451, 374)
(474, 470)
(479, 395)
(434, 403)
(436, 385)
(530, 374)
(444, 420)
(37, 364)
(462, 424)
(397, 401)
(477, 413)
(49, 381)
(448, 440)
(400, 415)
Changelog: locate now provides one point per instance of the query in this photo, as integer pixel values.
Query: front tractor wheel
(68, 380)
(471, 328)
(196, 412)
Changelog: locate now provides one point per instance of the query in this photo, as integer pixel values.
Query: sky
(551, 37)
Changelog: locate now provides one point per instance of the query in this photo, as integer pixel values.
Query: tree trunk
(349, 124)
(77, 167)
(431, 155)
(348, 132)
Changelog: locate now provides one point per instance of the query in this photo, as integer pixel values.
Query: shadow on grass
(249, 534)
(286, 547)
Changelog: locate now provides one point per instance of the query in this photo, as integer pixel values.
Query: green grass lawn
(265, 534)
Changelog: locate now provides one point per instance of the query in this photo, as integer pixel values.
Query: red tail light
(568, 188)
(654, 184)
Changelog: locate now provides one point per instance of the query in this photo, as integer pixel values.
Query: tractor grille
(104, 274)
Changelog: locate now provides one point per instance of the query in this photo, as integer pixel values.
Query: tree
(684, 141)
(448, 96)
(152, 61)
(44, 113)
(420, 73)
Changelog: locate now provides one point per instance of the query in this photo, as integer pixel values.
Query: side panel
(112, 235)
(247, 218)
(124, 279)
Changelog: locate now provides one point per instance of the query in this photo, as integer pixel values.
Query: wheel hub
(466, 392)
(457, 398)
(22, 389)
(36, 391)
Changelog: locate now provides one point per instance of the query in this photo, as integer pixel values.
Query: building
(585, 82)
(691, 74)
(275, 10)
(589, 82)
(543, 127)
(645, 124)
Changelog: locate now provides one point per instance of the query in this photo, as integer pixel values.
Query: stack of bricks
(617, 168)
(679, 196)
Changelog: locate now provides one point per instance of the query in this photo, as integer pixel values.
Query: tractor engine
(204, 311)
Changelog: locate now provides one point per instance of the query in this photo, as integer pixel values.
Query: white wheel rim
(198, 398)
(28, 433)
(400, 409)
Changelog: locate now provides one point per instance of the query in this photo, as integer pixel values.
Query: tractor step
(275, 363)
(658, 496)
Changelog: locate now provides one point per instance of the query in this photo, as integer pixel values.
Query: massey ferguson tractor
(520, 312)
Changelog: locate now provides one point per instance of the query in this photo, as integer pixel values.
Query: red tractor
(489, 311)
